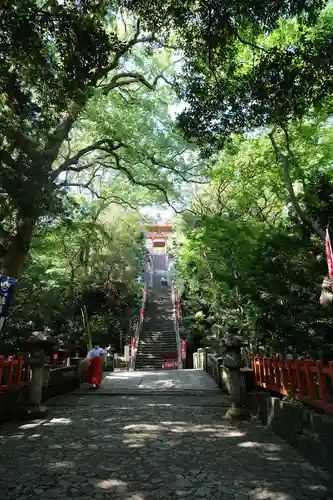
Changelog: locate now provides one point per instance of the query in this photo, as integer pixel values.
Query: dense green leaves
(86, 92)
(249, 261)
(256, 72)
(75, 113)
(92, 260)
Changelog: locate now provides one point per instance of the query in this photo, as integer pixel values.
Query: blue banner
(6, 294)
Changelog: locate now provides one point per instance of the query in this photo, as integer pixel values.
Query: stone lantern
(233, 362)
(39, 348)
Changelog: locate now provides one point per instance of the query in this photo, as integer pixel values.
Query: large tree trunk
(18, 248)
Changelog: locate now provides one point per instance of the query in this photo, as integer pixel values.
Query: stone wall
(61, 380)
(13, 403)
(305, 429)
(214, 366)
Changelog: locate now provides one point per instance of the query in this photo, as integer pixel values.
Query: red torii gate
(156, 232)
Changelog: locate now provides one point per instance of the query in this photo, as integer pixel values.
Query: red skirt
(95, 370)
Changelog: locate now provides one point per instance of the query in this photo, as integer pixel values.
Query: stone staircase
(157, 341)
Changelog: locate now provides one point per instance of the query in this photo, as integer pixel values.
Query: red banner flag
(329, 257)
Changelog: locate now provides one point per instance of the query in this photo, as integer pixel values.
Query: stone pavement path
(156, 381)
(150, 446)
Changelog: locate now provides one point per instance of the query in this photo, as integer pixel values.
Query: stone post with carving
(39, 348)
(233, 362)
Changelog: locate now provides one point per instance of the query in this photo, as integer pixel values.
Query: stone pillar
(200, 358)
(218, 378)
(38, 346)
(78, 363)
(36, 408)
(233, 363)
(46, 375)
(206, 351)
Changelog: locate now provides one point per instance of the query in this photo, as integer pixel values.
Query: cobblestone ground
(150, 447)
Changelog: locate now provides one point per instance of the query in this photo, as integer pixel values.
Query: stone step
(168, 350)
(157, 355)
(158, 330)
(150, 340)
(159, 343)
(159, 347)
(157, 333)
(151, 336)
(156, 361)
(158, 340)
(157, 336)
(164, 326)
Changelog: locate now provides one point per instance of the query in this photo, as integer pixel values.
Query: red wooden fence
(305, 380)
(13, 373)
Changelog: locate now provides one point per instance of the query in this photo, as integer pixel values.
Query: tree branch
(126, 48)
(128, 78)
(170, 168)
(56, 139)
(246, 42)
(106, 145)
(107, 198)
(152, 186)
(85, 185)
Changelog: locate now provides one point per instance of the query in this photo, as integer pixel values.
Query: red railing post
(261, 371)
(322, 382)
(264, 366)
(309, 379)
(291, 375)
(19, 370)
(269, 371)
(26, 371)
(277, 377)
(330, 369)
(282, 364)
(255, 370)
(2, 364)
(299, 375)
(13, 372)
(296, 378)
(10, 370)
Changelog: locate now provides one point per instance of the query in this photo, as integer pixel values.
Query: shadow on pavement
(143, 447)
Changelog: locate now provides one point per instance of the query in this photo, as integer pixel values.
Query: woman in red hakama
(95, 369)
